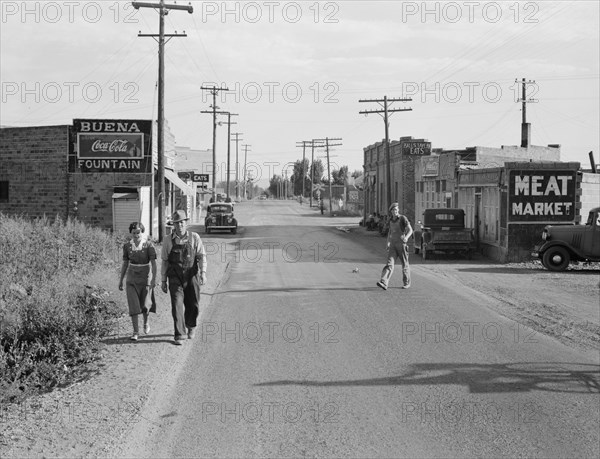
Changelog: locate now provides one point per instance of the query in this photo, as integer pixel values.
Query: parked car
(443, 230)
(563, 244)
(219, 216)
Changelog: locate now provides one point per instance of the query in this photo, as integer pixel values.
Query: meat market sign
(111, 145)
(541, 195)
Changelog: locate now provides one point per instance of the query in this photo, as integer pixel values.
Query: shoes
(406, 286)
(381, 285)
(178, 342)
(191, 333)
(146, 328)
(134, 337)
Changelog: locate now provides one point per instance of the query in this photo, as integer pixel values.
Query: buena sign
(112, 145)
(542, 195)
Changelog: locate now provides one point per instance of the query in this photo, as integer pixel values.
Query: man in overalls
(184, 265)
(397, 246)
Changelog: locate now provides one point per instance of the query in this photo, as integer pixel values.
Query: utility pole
(525, 126)
(245, 160)
(386, 111)
(229, 123)
(327, 145)
(237, 165)
(162, 12)
(214, 90)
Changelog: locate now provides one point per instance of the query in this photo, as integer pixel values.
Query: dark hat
(179, 216)
(394, 204)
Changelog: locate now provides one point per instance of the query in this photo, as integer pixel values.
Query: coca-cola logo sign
(109, 146)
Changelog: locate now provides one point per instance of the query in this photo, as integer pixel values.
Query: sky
(296, 71)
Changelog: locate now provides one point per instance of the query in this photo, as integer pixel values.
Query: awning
(175, 180)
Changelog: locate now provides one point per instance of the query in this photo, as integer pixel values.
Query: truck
(443, 230)
(564, 244)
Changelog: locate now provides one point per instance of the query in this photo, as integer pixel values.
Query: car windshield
(220, 208)
(445, 217)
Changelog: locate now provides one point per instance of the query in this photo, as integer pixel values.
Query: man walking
(397, 246)
(184, 265)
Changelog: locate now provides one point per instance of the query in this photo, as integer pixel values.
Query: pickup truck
(562, 244)
(443, 230)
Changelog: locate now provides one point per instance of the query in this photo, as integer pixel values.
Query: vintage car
(563, 244)
(443, 230)
(219, 216)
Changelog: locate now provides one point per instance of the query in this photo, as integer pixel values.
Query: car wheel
(556, 259)
(207, 229)
(234, 230)
(424, 253)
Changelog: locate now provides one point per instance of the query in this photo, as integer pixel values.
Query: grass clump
(51, 317)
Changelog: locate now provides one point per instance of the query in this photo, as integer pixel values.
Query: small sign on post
(200, 178)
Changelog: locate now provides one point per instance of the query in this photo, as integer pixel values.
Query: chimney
(525, 135)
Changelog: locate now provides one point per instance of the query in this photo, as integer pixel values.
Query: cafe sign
(112, 145)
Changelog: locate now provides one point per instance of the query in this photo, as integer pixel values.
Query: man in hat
(184, 266)
(397, 246)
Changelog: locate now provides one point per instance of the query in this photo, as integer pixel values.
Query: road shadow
(481, 378)
(505, 270)
(143, 339)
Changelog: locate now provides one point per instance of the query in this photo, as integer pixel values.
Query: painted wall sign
(431, 166)
(541, 195)
(111, 146)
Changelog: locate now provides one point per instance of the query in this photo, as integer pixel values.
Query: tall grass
(51, 321)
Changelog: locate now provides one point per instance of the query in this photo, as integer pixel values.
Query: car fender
(549, 244)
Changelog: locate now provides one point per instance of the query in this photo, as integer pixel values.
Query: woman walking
(139, 256)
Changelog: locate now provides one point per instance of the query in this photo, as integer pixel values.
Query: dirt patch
(563, 305)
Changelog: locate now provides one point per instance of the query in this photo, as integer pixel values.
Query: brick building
(99, 171)
(404, 153)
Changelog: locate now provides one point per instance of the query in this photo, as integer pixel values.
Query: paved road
(299, 356)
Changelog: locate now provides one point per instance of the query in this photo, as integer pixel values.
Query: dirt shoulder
(92, 417)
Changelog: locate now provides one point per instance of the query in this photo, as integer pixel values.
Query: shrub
(51, 322)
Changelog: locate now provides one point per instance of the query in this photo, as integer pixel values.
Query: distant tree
(317, 170)
(357, 173)
(275, 185)
(300, 173)
(339, 177)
